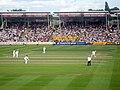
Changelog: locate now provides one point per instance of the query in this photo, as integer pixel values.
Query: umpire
(89, 61)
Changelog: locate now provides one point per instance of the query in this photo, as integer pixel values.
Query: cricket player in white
(26, 58)
(17, 53)
(93, 53)
(14, 53)
(44, 49)
(89, 61)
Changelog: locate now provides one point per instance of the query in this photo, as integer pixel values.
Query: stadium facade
(24, 17)
(84, 18)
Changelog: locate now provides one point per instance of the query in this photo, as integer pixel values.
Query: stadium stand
(42, 34)
(71, 31)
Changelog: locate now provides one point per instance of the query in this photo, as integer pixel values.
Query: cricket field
(60, 68)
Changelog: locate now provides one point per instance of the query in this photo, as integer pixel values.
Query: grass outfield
(60, 68)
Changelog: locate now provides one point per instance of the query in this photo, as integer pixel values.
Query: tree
(90, 9)
(115, 8)
(95, 10)
(18, 10)
(107, 7)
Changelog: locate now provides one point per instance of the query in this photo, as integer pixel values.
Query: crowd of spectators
(69, 33)
(19, 33)
(100, 34)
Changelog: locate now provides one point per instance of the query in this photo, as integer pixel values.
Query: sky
(56, 5)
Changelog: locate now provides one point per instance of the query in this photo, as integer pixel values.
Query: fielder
(44, 49)
(89, 61)
(26, 58)
(93, 53)
(17, 53)
(14, 53)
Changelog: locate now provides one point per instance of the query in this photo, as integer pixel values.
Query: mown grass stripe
(101, 79)
(17, 83)
(59, 83)
(38, 83)
(7, 78)
(67, 56)
(80, 82)
(115, 80)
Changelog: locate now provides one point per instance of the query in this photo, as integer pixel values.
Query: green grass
(60, 68)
